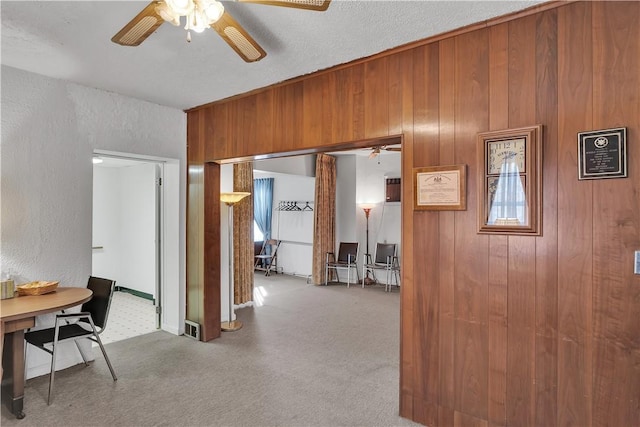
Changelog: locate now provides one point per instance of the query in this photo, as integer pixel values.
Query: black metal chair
(347, 259)
(267, 259)
(385, 259)
(93, 313)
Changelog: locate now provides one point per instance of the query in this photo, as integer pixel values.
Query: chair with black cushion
(267, 259)
(346, 260)
(93, 313)
(385, 259)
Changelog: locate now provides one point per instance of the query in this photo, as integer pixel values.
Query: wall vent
(192, 329)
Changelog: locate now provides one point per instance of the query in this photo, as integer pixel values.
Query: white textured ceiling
(71, 40)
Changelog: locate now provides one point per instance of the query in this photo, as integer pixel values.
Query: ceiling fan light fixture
(197, 21)
(180, 7)
(168, 14)
(213, 11)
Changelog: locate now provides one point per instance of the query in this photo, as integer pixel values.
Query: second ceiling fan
(201, 14)
(375, 151)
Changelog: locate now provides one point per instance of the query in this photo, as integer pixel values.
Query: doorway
(126, 247)
(362, 178)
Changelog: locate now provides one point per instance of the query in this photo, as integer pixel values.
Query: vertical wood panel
(265, 119)
(327, 112)
(446, 237)
(288, 117)
(546, 351)
(575, 225)
(376, 98)
(521, 250)
(425, 296)
(397, 64)
(217, 141)
(470, 365)
(247, 116)
(342, 121)
(616, 103)
(407, 245)
(312, 110)
(498, 248)
(358, 113)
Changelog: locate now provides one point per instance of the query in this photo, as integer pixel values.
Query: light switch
(636, 264)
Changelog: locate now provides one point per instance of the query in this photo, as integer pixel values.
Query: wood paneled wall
(496, 330)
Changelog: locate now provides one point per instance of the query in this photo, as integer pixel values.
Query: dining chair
(93, 313)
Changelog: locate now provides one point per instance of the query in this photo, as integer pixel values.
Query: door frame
(169, 311)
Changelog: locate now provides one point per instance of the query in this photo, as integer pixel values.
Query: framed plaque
(440, 188)
(602, 154)
(510, 181)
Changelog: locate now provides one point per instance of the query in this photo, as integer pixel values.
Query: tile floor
(129, 316)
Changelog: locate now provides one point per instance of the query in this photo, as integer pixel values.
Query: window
(257, 234)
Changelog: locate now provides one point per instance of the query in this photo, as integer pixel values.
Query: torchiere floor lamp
(231, 199)
(366, 207)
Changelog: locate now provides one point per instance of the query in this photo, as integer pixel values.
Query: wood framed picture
(440, 188)
(510, 181)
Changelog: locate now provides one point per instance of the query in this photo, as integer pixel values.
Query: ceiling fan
(200, 14)
(375, 151)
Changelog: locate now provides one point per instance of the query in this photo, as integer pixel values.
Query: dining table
(16, 315)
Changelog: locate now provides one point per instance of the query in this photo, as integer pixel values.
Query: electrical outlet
(636, 264)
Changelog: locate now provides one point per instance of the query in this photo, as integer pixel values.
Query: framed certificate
(440, 188)
(602, 154)
(510, 181)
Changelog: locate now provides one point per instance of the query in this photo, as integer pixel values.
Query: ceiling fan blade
(140, 27)
(393, 149)
(319, 5)
(238, 38)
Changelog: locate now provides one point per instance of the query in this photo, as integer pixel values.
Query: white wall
(293, 228)
(362, 180)
(106, 223)
(124, 215)
(346, 193)
(385, 218)
(49, 130)
(296, 165)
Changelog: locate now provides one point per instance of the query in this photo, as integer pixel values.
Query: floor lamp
(231, 199)
(366, 207)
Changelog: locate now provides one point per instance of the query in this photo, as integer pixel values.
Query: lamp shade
(233, 198)
(368, 206)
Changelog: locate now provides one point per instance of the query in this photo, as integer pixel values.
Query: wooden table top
(21, 307)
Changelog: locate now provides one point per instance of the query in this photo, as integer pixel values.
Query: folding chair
(267, 260)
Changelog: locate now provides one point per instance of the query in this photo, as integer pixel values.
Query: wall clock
(510, 181)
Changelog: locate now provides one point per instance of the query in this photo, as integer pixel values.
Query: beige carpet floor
(306, 356)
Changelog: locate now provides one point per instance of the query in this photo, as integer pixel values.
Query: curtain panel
(263, 204)
(324, 220)
(243, 255)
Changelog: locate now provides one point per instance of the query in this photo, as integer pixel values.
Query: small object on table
(37, 288)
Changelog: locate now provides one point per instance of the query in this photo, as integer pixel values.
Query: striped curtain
(324, 239)
(243, 255)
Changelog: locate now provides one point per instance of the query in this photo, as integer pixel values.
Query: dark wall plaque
(602, 154)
